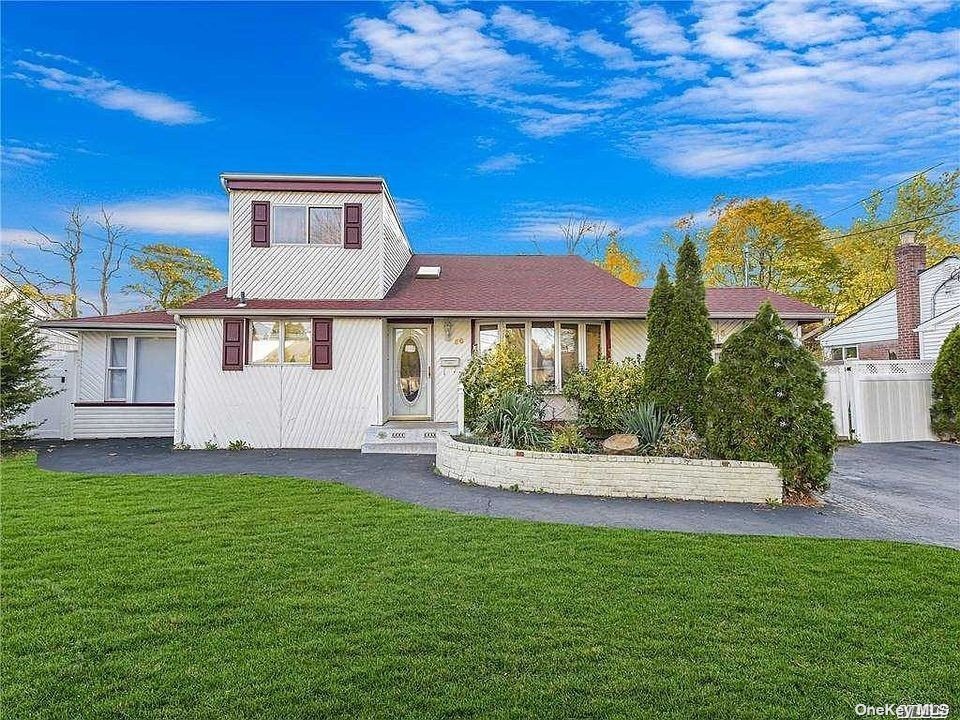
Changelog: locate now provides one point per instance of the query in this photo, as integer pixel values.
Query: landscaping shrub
(646, 421)
(679, 439)
(488, 375)
(21, 372)
(568, 439)
(689, 341)
(514, 420)
(765, 402)
(601, 392)
(945, 412)
(656, 363)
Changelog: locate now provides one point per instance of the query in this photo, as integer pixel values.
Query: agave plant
(646, 421)
(515, 421)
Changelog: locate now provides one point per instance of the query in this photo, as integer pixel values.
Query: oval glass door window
(410, 371)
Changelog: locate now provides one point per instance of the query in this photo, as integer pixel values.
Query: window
(594, 345)
(140, 369)
(488, 336)
(849, 352)
(552, 349)
(268, 337)
(569, 353)
(325, 226)
(542, 353)
(117, 369)
(301, 225)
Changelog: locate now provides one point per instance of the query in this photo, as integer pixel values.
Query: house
(333, 333)
(911, 321)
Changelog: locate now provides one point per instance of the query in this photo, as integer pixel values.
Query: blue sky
(492, 122)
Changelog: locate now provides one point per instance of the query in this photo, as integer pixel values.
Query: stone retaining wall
(609, 475)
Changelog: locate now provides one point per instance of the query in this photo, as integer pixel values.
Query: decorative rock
(621, 444)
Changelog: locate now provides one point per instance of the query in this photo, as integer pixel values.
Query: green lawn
(222, 597)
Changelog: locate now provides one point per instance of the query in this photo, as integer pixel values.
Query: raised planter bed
(609, 475)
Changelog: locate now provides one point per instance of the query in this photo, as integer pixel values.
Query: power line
(905, 180)
(894, 225)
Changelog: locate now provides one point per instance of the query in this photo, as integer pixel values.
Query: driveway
(898, 491)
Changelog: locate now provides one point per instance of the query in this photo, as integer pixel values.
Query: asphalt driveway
(896, 491)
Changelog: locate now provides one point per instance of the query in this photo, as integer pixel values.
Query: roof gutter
(53, 324)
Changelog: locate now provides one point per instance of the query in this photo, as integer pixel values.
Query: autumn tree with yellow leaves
(620, 262)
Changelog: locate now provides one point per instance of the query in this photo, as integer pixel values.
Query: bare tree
(115, 246)
(582, 236)
(64, 294)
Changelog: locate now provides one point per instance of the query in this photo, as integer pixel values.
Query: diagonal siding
(447, 379)
(628, 338)
(92, 374)
(396, 251)
(301, 271)
(283, 406)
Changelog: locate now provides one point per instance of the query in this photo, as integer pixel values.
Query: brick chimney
(910, 259)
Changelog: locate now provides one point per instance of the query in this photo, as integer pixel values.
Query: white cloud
(505, 163)
(798, 23)
(173, 216)
(18, 237)
(18, 153)
(109, 94)
(527, 27)
(614, 57)
(652, 28)
(410, 209)
(627, 88)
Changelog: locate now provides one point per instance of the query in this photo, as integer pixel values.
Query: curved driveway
(897, 491)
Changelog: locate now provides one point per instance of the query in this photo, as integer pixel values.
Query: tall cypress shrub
(21, 373)
(689, 339)
(656, 363)
(945, 412)
(765, 402)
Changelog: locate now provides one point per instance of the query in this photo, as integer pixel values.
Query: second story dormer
(298, 237)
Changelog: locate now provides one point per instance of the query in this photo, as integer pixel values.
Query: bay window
(272, 342)
(140, 369)
(553, 349)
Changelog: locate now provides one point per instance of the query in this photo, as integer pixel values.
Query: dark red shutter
(259, 224)
(233, 342)
(353, 226)
(606, 332)
(322, 344)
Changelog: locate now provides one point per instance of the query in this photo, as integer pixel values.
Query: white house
(911, 321)
(332, 333)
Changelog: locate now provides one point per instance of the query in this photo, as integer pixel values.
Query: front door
(410, 372)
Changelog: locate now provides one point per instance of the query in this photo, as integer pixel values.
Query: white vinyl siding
(874, 323)
(933, 279)
(271, 406)
(122, 421)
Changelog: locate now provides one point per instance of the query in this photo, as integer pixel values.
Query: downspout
(179, 378)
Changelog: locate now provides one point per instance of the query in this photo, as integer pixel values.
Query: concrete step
(404, 437)
(410, 448)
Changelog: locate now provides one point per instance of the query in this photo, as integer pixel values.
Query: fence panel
(881, 400)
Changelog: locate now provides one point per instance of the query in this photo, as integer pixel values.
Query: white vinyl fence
(881, 400)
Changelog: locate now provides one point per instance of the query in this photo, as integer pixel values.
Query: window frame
(528, 342)
(306, 213)
(282, 340)
(130, 368)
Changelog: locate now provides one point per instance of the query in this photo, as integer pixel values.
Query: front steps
(404, 437)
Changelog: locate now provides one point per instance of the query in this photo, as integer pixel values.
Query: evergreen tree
(688, 340)
(765, 402)
(945, 412)
(21, 373)
(656, 363)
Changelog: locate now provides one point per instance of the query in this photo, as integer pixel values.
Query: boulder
(621, 444)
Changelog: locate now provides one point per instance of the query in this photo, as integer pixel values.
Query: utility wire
(905, 180)
(894, 225)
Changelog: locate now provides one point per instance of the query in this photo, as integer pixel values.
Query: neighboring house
(47, 413)
(909, 322)
(332, 333)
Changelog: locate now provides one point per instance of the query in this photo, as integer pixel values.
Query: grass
(228, 597)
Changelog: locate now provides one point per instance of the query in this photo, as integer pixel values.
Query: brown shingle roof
(521, 285)
(149, 319)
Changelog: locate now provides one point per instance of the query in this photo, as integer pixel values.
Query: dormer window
(302, 225)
